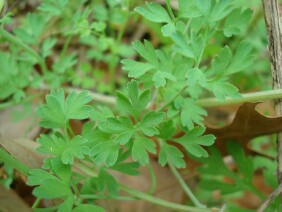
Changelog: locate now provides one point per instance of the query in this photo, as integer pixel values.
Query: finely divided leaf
(135, 69)
(192, 113)
(57, 112)
(105, 152)
(194, 139)
(236, 22)
(154, 12)
(140, 147)
(172, 154)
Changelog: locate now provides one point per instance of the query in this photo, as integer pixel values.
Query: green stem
(172, 99)
(13, 162)
(250, 97)
(185, 186)
(36, 203)
(13, 39)
(169, 9)
(167, 204)
(86, 170)
(93, 196)
(153, 179)
(66, 45)
(70, 130)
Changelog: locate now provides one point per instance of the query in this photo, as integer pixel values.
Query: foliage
(200, 53)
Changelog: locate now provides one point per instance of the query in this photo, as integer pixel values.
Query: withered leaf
(23, 150)
(247, 124)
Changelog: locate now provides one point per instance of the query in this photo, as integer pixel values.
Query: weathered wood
(273, 26)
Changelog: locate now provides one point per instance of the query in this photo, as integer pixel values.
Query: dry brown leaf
(247, 124)
(23, 150)
(11, 202)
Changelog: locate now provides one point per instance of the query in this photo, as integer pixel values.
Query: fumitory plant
(158, 114)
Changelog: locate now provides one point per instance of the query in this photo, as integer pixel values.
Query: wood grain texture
(273, 26)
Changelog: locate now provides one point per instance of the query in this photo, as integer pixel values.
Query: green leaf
(127, 168)
(194, 8)
(38, 176)
(221, 62)
(194, 139)
(149, 121)
(135, 69)
(152, 118)
(107, 181)
(87, 208)
(67, 204)
(124, 137)
(47, 184)
(105, 152)
(221, 10)
(154, 12)
(63, 171)
(167, 130)
(195, 76)
(224, 89)
(242, 58)
(65, 150)
(147, 51)
(172, 154)
(57, 112)
(211, 164)
(214, 185)
(140, 147)
(182, 46)
(47, 45)
(116, 125)
(46, 190)
(236, 22)
(192, 113)
(244, 164)
(123, 103)
(76, 148)
(160, 78)
(135, 102)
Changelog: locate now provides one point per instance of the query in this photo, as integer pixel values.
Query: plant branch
(167, 204)
(153, 179)
(168, 5)
(206, 102)
(185, 186)
(172, 99)
(270, 198)
(13, 39)
(249, 97)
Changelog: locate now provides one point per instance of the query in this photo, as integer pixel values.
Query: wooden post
(273, 26)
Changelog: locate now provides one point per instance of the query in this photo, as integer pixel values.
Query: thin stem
(206, 102)
(153, 179)
(85, 169)
(185, 186)
(93, 196)
(70, 130)
(169, 9)
(13, 39)
(13, 162)
(172, 99)
(36, 203)
(256, 96)
(167, 204)
(66, 45)
(8, 36)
